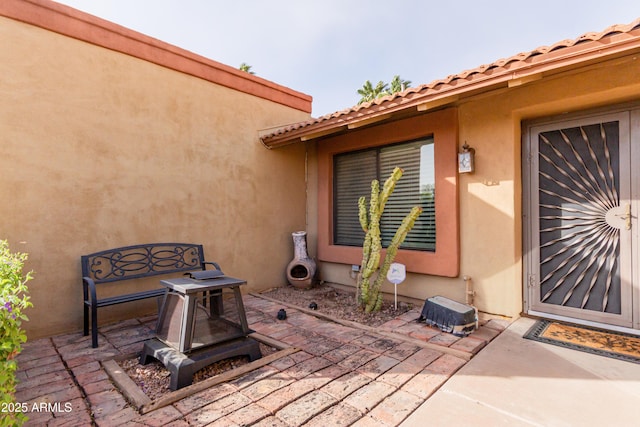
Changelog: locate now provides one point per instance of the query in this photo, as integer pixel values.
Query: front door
(581, 222)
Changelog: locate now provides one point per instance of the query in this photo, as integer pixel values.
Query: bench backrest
(151, 259)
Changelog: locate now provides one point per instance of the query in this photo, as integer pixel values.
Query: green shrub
(13, 301)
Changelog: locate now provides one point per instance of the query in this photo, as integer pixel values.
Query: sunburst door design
(582, 212)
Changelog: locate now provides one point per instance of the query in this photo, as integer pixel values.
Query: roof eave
(441, 94)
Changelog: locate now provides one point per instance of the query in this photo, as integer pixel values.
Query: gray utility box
(449, 316)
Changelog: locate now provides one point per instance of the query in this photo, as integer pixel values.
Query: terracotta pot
(302, 269)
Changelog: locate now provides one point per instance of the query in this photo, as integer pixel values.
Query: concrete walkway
(519, 382)
(342, 374)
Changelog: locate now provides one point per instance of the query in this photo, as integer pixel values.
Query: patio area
(342, 374)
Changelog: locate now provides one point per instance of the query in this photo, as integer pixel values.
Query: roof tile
(497, 67)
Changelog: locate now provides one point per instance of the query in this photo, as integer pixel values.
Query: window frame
(442, 126)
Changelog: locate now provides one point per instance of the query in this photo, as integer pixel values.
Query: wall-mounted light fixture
(466, 159)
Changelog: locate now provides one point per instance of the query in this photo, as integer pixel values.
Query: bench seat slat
(118, 299)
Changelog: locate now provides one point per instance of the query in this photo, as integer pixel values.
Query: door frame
(530, 190)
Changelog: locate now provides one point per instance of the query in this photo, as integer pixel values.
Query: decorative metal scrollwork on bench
(141, 260)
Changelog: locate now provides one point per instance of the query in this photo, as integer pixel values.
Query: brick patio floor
(343, 374)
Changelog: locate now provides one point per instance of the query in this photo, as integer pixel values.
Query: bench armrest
(89, 289)
(215, 264)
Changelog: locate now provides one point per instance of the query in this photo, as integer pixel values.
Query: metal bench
(133, 262)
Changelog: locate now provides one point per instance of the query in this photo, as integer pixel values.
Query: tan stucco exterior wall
(102, 149)
(490, 199)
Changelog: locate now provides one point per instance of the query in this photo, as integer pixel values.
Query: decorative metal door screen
(580, 220)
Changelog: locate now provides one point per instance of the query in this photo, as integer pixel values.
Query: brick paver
(424, 383)
(107, 402)
(403, 350)
(58, 376)
(367, 397)
(115, 419)
(469, 345)
(358, 359)
(282, 397)
(486, 333)
(342, 375)
(396, 407)
(342, 352)
(39, 370)
(266, 386)
(345, 385)
(198, 400)
(444, 340)
(378, 366)
(307, 367)
(382, 345)
(408, 368)
(301, 410)
(45, 391)
(393, 324)
(338, 415)
(423, 333)
(446, 364)
(98, 386)
(160, 417)
(270, 422)
(90, 377)
(253, 376)
(221, 407)
(369, 421)
(247, 415)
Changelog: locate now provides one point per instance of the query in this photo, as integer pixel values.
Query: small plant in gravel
(14, 300)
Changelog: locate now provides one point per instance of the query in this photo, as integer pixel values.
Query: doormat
(616, 345)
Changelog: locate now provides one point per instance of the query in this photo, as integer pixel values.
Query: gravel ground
(337, 303)
(153, 378)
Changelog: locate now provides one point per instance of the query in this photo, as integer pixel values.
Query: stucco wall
(101, 149)
(490, 199)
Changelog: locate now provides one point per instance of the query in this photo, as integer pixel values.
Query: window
(426, 147)
(353, 173)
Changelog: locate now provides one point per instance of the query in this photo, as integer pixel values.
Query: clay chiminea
(302, 269)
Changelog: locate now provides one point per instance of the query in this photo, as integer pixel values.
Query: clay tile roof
(541, 59)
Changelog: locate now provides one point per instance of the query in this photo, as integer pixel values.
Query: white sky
(329, 48)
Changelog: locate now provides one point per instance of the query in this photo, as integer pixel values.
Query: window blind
(353, 173)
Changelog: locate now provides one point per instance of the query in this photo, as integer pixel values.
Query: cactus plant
(368, 295)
